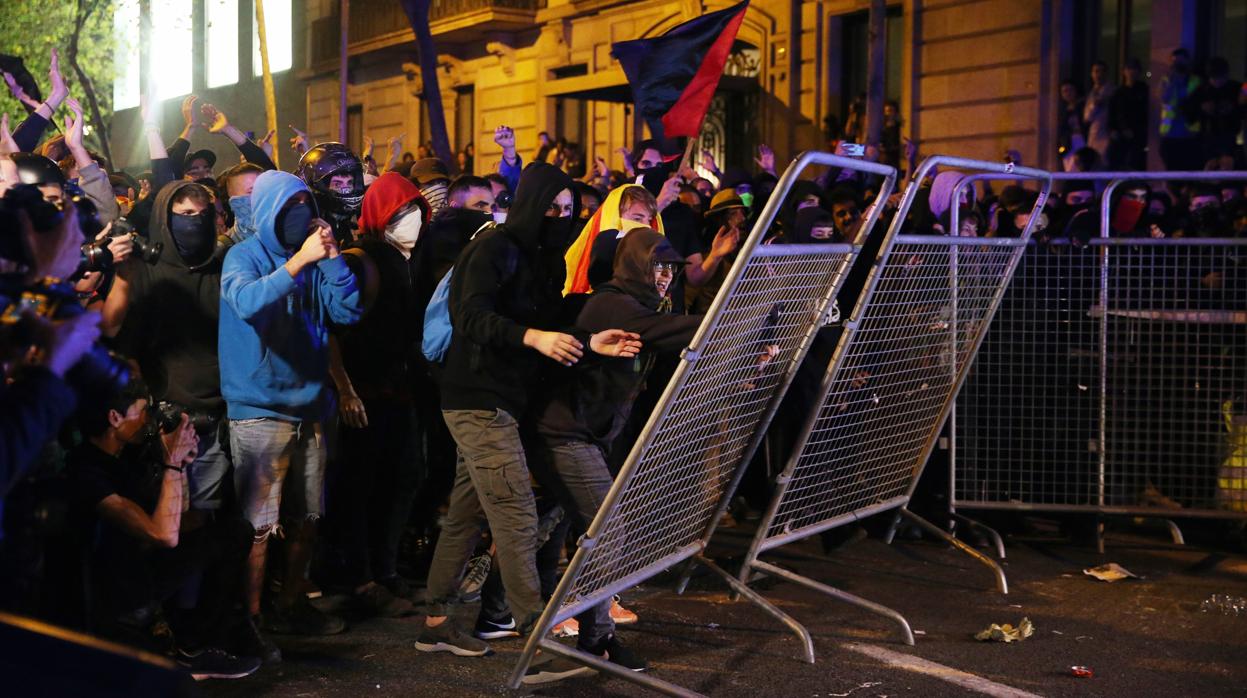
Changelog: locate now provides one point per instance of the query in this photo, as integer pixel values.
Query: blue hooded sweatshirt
(274, 335)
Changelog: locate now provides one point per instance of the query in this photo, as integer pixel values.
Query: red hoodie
(385, 197)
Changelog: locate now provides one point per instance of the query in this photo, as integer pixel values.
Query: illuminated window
(221, 42)
(277, 19)
(172, 37)
(126, 54)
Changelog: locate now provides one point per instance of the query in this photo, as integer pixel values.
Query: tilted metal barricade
(890, 384)
(688, 460)
(1114, 380)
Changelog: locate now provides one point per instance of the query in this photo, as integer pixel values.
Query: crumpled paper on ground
(1007, 633)
(1111, 572)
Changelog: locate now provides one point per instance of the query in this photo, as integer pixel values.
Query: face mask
(500, 217)
(627, 224)
(293, 225)
(747, 199)
(240, 206)
(1127, 215)
(193, 235)
(653, 178)
(404, 233)
(556, 234)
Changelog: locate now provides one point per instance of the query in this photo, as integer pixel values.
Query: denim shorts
(279, 470)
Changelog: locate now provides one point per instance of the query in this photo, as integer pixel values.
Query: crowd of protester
(228, 387)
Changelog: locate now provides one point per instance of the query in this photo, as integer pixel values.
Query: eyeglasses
(665, 267)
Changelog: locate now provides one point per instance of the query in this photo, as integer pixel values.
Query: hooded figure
(379, 351)
(586, 408)
(798, 198)
(941, 197)
(171, 308)
(274, 326)
(596, 403)
(509, 279)
(814, 225)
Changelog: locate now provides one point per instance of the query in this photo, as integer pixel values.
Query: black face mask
(474, 219)
(193, 235)
(556, 234)
(293, 224)
(653, 178)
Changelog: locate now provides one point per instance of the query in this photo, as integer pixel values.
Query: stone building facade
(972, 77)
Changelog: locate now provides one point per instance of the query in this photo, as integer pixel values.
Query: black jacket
(379, 352)
(508, 280)
(447, 236)
(171, 324)
(592, 401)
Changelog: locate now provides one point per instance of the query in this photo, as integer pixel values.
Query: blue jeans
(277, 463)
(205, 478)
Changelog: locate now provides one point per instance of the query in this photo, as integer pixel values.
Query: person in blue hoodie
(280, 290)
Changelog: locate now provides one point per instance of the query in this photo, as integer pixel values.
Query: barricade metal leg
(642, 678)
(742, 590)
(991, 532)
(1175, 532)
(1002, 584)
(838, 594)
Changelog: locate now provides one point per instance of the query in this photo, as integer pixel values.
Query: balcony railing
(378, 18)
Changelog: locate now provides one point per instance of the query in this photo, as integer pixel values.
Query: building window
(855, 63)
(277, 20)
(126, 54)
(172, 36)
(221, 42)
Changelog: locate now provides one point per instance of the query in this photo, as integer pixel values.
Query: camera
(166, 415)
(98, 374)
(97, 257)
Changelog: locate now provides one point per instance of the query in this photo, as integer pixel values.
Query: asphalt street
(1141, 637)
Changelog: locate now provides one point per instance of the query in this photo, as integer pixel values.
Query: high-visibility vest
(1170, 110)
(1232, 475)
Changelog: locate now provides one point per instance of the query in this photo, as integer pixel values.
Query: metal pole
(270, 99)
(876, 71)
(344, 25)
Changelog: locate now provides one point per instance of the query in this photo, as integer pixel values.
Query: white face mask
(404, 234)
(500, 217)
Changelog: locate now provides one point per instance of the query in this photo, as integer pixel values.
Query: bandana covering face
(193, 235)
(607, 217)
(293, 225)
(405, 232)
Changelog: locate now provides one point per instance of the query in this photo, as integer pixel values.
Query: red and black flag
(674, 76)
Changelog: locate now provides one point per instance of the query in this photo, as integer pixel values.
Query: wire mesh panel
(1027, 420)
(1151, 332)
(899, 369)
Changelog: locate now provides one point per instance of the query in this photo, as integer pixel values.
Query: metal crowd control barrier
(1114, 380)
(688, 460)
(890, 384)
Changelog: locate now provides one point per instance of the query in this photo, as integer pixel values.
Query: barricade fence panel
(1150, 334)
(890, 390)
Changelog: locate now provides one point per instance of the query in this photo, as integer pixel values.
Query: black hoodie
(171, 324)
(508, 280)
(594, 400)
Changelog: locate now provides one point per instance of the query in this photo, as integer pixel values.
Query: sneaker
(214, 663)
(302, 619)
(248, 641)
(613, 651)
(377, 601)
(568, 628)
(621, 615)
(474, 578)
(487, 629)
(548, 668)
(447, 637)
